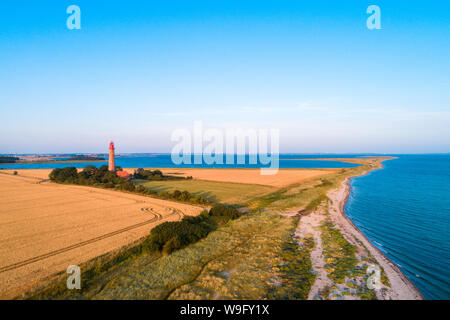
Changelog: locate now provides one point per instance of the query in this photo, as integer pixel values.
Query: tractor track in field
(156, 217)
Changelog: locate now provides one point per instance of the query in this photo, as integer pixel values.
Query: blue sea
(165, 161)
(404, 209)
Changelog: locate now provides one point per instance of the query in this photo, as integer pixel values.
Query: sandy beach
(401, 288)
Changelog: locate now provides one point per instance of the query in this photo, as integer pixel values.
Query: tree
(176, 194)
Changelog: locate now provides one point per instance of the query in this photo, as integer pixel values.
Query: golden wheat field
(282, 178)
(45, 227)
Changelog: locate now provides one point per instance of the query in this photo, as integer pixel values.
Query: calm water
(404, 209)
(164, 161)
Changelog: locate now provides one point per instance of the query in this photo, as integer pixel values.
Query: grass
(267, 265)
(298, 196)
(338, 253)
(214, 191)
(253, 257)
(95, 273)
(307, 194)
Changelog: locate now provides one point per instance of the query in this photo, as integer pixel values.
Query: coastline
(401, 288)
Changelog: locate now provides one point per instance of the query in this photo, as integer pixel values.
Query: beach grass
(338, 253)
(253, 257)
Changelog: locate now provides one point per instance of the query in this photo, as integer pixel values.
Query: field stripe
(80, 244)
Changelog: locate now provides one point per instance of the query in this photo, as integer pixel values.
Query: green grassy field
(225, 192)
(253, 257)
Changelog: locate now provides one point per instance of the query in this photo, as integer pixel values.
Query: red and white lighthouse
(111, 163)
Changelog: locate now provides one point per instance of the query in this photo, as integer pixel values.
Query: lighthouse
(111, 163)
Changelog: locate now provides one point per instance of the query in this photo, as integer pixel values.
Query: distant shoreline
(52, 161)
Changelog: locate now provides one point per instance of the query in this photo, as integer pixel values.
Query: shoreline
(401, 288)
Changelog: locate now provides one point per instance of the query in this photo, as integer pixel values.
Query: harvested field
(283, 178)
(30, 173)
(45, 227)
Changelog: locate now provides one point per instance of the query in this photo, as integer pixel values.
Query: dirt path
(309, 226)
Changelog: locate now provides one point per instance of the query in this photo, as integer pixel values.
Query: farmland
(252, 257)
(212, 190)
(45, 227)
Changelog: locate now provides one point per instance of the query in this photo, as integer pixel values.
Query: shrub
(128, 186)
(164, 195)
(171, 245)
(185, 195)
(141, 189)
(68, 175)
(171, 236)
(222, 210)
(176, 194)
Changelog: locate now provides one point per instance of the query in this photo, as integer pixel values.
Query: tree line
(9, 159)
(171, 236)
(102, 177)
(155, 175)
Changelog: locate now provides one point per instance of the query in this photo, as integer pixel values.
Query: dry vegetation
(282, 178)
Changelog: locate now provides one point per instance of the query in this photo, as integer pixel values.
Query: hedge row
(171, 236)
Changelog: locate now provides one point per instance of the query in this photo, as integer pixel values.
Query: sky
(138, 70)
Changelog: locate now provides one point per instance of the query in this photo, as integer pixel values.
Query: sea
(403, 209)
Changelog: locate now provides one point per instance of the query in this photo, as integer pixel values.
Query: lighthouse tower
(111, 163)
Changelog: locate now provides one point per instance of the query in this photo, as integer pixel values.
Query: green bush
(91, 176)
(176, 194)
(172, 245)
(64, 175)
(141, 189)
(171, 236)
(128, 186)
(185, 196)
(223, 210)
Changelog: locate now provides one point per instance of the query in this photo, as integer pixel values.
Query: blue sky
(137, 70)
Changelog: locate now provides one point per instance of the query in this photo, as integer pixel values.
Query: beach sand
(401, 287)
